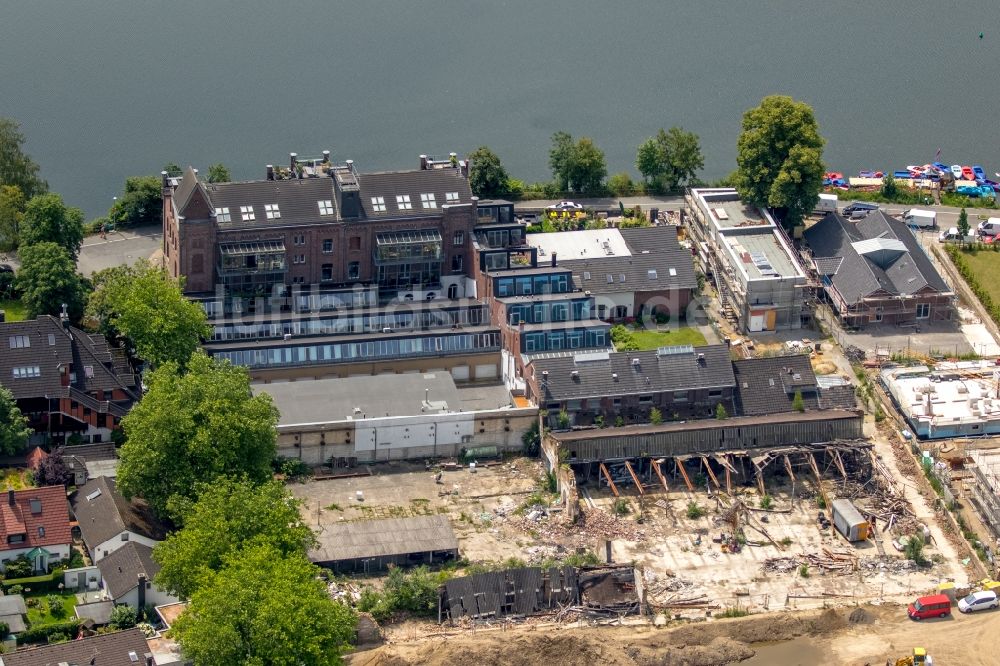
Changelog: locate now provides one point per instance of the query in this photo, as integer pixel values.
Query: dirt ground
(844, 636)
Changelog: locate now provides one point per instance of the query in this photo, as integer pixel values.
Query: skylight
(325, 207)
(652, 273)
(378, 204)
(427, 200)
(246, 212)
(222, 215)
(403, 202)
(272, 212)
(451, 197)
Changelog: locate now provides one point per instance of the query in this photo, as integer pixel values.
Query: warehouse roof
(383, 538)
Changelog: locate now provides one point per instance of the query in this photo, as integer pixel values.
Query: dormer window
(222, 215)
(27, 372)
(378, 204)
(271, 211)
(403, 202)
(325, 207)
(15, 538)
(19, 341)
(427, 200)
(36, 506)
(451, 197)
(246, 212)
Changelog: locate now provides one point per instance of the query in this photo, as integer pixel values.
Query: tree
(264, 608)
(655, 416)
(53, 470)
(47, 279)
(48, 220)
(890, 189)
(780, 157)
(797, 404)
(140, 204)
(146, 306)
(12, 205)
(621, 184)
(123, 617)
(578, 166)
(720, 412)
(195, 427)
(669, 159)
(227, 516)
(622, 339)
(487, 176)
(963, 224)
(172, 169)
(16, 168)
(562, 420)
(914, 550)
(218, 173)
(14, 430)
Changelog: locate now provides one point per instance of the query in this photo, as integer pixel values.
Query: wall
(77, 579)
(59, 552)
(105, 548)
(154, 597)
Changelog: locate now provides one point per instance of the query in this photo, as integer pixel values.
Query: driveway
(120, 247)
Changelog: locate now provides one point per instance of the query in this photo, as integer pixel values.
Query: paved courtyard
(120, 247)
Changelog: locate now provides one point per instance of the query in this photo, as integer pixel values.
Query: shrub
(797, 404)
(43, 632)
(655, 416)
(766, 502)
(787, 541)
(55, 605)
(733, 612)
(804, 570)
(4, 629)
(914, 550)
(15, 589)
(694, 511)
(619, 422)
(562, 420)
(531, 442)
(124, 617)
(18, 568)
(585, 559)
(551, 482)
(720, 412)
(820, 502)
(599, 421)
(621, 507)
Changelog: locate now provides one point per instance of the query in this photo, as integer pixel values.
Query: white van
(952, 236)
(827, 203)
(919, 218)
(990, 227)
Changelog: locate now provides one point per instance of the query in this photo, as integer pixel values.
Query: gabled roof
(297, 200)
(103, 513)
(767, 385)
(604, 374)
(875, 254)
(122, 568)
(115, 649)
(40, 514)
(390, 184)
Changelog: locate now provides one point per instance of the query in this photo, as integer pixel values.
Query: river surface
(109, 88)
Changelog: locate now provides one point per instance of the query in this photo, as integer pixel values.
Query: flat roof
(305, 340)
(950, 394)
(761, 255)
(584, 244)
(727, 211)
(377, 396)
(383, 538)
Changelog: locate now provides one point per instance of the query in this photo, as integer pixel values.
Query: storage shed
(371, 545)
(849, 521)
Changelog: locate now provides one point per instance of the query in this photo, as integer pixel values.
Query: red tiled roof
(17, 518)
(35, 457)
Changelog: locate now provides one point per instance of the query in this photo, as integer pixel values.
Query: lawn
(40, 614)
(14, 310)
(648, 339)
(985, 264)
(15, 479)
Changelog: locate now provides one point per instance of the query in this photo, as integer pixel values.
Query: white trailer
(827, 203)
(920, 218)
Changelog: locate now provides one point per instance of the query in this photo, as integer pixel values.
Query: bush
(45, 583)
(914, 550)
(562, 420)
(41, 633)
(655, 416)
(18, 568)
(585, 559)
(55, 605)
(694, 511)
(804, 570)
(621, 507)
(531, 442)
(15, 589)
(124, 617)
(733, 612)
(291, 468)
(766, 502)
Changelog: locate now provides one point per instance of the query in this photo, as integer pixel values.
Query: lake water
(117, 87)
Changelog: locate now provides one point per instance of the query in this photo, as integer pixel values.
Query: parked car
(859, 206)
(951, 235)
(934, 605)
(565, 205)
(978, 601)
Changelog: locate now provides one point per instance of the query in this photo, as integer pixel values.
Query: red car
(935, 605)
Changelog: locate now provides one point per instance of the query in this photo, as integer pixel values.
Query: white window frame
(20, 342)
(926, 308)
(325, 206)
(27, 372)
(451, 197)
(427, 200)
(325, 241)
(378, 204)
(403, 202)
(271, 211)
(222, 214)
(247, 214)
(458, 238)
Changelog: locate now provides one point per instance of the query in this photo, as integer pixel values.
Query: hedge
(46, 583)
(42, 632)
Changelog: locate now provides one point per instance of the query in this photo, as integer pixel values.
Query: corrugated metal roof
(383, 538)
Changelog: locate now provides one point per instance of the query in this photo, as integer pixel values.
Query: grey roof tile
(108, 514)
(121, 569)
(767, 385)
(390, 184)
(114, 650)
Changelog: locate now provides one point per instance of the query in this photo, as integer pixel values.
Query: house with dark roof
(121, 648)
(768, 385)
(874, 271)
(108, 521)
(127, 577)
(66, 381)
(34, 523)
(681, 381)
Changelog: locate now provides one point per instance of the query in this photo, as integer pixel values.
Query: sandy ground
(845, 636)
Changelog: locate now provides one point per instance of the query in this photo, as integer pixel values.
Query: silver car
(978, 601)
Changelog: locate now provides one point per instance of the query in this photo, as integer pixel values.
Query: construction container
(849, 521)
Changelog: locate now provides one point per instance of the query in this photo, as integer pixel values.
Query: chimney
(165, 178)
(423, 163)
(463, 165)
(10, 496)
(293, 159)
(554, 255)
(270, 172)
(150, 661)
(326, 157)
(64, 317)
(142, 591)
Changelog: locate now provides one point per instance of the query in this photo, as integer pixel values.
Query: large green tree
(780, 157)
(670, 159)
(194, 428)
(578, 166)
(48, 220)
(14, 430)
(47, 279)
(146, 306)
(140, 204)
(487, 175)
(227, 516)
(12, 205)
(264, 608)
(219, 173)
(16, 168)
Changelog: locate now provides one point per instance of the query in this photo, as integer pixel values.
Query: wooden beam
(819, 480)
(607, 475)
(788, 468)
(680, 468)
(659, 473)
(711, 474)
(729, 483)
(635, 478)
(840, 463)
(760, 479)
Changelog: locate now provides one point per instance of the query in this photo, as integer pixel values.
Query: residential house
(121, 648)
(874, 271)
(127, 576)
(108, 521)
(35, 523)
(768, 385)
(66, 381)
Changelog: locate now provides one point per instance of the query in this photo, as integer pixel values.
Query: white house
(127, 576)
(108, 521)
(35, 523)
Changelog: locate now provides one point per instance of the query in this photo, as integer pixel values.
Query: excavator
(918, 658)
